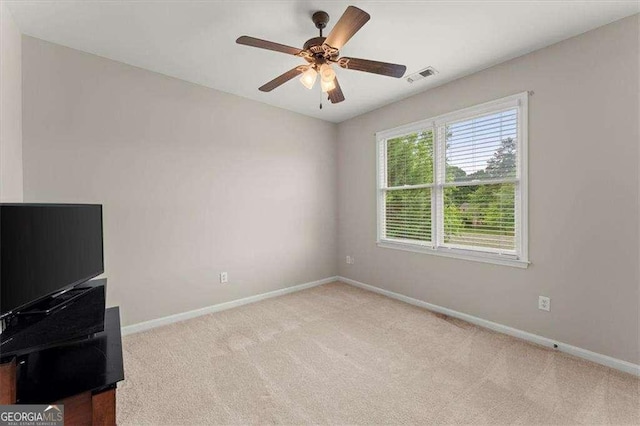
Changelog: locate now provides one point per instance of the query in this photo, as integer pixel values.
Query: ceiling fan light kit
(327, 86)
(321, 52)
(308, 78)
(327, 73)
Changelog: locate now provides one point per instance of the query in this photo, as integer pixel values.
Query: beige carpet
(337, 354)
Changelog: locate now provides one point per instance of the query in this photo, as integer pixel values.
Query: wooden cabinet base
(8, 383)
(86, 409)
(104, 408)
(77, 409)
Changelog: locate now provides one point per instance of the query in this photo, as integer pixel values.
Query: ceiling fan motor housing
(314, 45)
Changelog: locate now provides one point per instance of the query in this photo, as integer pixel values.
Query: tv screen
(45, 248)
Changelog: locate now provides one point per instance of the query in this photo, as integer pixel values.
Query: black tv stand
(82, 374)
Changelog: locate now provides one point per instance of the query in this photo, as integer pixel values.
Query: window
(455, 185)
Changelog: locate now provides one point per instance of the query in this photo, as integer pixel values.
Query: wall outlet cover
(224, 278)
(544, 303)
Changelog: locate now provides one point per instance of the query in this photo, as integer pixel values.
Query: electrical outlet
(224, 278)
(544, 303)
(348, 260)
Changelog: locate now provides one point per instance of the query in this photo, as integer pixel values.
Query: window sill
(495, 259)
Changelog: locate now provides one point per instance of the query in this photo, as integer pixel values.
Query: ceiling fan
(322, 52)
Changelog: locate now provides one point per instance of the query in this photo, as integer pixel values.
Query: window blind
(482, 148)
(479, 186)
(408, 190)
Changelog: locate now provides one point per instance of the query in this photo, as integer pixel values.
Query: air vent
(427, 72)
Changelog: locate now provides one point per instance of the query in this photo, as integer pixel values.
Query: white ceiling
(195, 40)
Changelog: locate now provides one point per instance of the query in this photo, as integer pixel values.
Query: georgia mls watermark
(31, 415)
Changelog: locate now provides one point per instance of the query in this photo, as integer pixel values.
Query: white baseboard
(606, 360)
(148, 325)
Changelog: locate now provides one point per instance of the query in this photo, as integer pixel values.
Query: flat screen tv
(45, 249)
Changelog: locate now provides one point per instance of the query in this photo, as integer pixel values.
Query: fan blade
(269, 45)
(349, 23)
(281, 79)
(382, 68)
(336, 95)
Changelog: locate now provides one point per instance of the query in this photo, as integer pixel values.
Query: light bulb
(327, 85)
(308, 78)
(327, 73)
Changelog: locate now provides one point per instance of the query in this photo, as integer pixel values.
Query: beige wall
(193, 181)
(10, 108)
(583, 196)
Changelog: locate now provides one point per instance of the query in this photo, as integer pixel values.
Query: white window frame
(437, 125)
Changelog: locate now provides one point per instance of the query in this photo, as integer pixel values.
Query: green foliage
(410, 159)
(479, 214)
(409, 162)
(452, 221)
(408, 214)
(503, 163)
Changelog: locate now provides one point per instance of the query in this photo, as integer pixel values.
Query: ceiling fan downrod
(320, 19)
